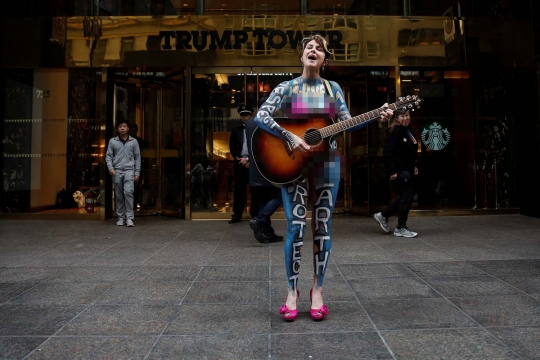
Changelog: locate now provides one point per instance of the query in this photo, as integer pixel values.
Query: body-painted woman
(321, 174)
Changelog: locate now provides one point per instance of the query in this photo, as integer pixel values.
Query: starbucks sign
(435, 136)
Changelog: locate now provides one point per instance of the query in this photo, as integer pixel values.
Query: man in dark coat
(239, 152)
(265, 197)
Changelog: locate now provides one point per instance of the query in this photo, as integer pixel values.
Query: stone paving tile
(525, 341)
(29, 274)
(361, 271)
(118, 258)
(239, 256)
(18, 347)
(465, 286)
(429, 269)
(35, 319)
(14, 257)
(515, 267)
(120, 320)
(517, 310)
(10, 291)
(216, 319)
(62, 294)
(204, 292)
(181, 258)
(527, 283)
(415, 314)
(472, 251)
(419, 256)
(164, 273)
(234, 273)
(211, 347)
(446, 344)
(145, 293)
(359, 345)
(90, 274)
(360, 253)
(391, 288)
(67, 255)
(118, 348)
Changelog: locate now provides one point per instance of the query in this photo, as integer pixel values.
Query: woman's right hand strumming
(299, 143)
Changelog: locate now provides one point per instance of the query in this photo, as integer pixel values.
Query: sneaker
(404, 232)
(120, 222)
(382, 221)
(130, 223)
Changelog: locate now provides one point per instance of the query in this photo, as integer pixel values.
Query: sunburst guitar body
(273, 157)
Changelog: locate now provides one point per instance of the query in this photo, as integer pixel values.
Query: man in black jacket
(239, 152)
(265, 197)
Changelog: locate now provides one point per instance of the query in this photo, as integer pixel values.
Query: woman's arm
(264, 119)
(342, 109)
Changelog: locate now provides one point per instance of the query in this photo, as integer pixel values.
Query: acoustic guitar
(280, 165)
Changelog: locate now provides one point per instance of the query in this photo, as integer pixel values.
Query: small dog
(79, 199)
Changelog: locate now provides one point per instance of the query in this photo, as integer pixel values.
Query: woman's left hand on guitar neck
(386, 114)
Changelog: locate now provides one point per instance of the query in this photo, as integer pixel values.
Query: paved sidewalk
(466, 288)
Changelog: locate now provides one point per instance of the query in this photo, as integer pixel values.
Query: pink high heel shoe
(318, 314)
(290, 315)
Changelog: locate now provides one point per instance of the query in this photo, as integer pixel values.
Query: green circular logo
(435, 136)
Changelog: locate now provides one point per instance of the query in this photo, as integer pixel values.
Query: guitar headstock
(409, 102)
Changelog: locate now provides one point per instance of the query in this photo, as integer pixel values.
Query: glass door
(154, 112)
(366, 183)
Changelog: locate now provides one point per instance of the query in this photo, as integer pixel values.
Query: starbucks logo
(435, 137)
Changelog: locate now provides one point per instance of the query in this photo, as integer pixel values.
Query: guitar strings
(313, 137)
(319, 136)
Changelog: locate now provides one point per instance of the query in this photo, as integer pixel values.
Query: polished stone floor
(466, 288)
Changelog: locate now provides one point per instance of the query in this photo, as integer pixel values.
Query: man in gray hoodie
(124, 163)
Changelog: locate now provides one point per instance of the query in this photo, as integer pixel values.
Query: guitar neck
(338, 127)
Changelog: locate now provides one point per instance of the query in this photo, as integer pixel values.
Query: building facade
(177, 71)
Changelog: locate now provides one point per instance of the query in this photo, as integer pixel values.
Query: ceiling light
(186, 5)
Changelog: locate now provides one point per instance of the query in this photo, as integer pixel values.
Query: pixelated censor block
(309, 106)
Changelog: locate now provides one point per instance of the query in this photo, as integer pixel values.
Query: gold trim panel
(263, 41)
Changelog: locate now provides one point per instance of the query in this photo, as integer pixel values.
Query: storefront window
(52, 147)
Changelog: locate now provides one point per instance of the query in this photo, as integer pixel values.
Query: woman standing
(320, 179)
(399, 155)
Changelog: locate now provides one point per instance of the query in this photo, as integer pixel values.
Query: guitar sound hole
(313, 137)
